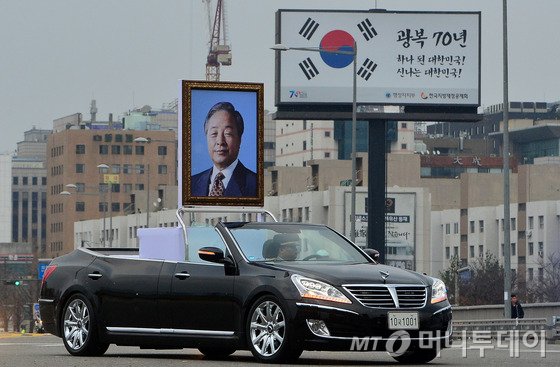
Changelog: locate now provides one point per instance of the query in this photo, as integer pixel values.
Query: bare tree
(546, 288)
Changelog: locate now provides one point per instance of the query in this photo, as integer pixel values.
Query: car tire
(79, 328)
(417, 356)
(216, 352)
(270, 334)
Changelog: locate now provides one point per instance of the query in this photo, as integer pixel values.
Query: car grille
(389, 296)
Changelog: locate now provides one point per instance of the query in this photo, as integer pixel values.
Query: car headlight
(439, 291)
(315, 289)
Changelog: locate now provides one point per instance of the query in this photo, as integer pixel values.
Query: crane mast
(219, 52)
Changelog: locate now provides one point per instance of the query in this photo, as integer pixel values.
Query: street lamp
(75, 187)
(354, 53)
(102, 167)
(146, 141)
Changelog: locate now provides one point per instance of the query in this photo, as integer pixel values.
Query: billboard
(403, 58)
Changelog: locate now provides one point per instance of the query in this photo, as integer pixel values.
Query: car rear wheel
(79, 328)
(270, 335)
(418, 355)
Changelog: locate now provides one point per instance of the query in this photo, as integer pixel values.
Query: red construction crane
(219, 52)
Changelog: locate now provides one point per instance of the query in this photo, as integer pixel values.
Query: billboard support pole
(376, 186)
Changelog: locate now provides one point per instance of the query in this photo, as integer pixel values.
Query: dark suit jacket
(243, 182)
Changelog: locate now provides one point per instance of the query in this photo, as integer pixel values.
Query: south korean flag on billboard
(396, 55)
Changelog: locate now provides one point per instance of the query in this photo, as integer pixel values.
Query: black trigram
(309, 28)
(367, 68)
(308, 68)
(367, 29)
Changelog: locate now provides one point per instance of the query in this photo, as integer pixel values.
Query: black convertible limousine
(275, 289)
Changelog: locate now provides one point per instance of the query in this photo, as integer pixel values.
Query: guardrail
(501, 327)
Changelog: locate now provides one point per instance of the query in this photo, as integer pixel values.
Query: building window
(80, 187)
(530, 274)
(139, 187)
(127, 187)
(541, 274)
(162, 169)
(447, 228)
(455, 251)
(480, 250)
(80, 168)
(513, 249)
(115, 169)
(403, 146)
(541, 249)
(327, 134)
(103, 207)
(80, 149)
(327, 154)
(43, 181)
(512, 220)
(455, 228)
(103, 149)
(15, 180)
(118, 138)
(403, 125)
(471, 251)
(481, 226)
(34, 181)
(471, 224)
(80, 206)
(305, 145)
(447, 252)
(139, 169)
(139, 150)
(531, 222)
(162, 150)
(127, 168)
(115, 207)
(108, 138)
(115, 187)
(25, 181)
(115, 149)
(127, 149)
(531, 248)
(541, 222)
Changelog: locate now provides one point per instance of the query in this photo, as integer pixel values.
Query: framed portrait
(222, 143)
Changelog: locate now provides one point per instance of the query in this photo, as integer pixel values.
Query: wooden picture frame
(208, 101)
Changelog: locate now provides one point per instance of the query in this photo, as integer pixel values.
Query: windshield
(297, 243)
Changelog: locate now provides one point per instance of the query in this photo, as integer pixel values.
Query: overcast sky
(59, 54)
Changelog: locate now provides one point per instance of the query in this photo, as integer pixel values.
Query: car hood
(366, 273)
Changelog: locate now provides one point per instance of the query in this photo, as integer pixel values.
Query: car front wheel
(79, 329)
(270, 335)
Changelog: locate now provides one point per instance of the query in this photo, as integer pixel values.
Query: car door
(126, 291)
(200, 299)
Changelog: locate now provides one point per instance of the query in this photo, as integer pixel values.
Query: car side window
(198, 237)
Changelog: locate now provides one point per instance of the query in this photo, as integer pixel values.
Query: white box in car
(161, 243)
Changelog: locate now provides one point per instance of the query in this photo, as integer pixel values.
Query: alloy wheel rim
(76, 324)
(268, 328)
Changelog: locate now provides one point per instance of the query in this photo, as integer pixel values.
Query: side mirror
(374, 254)
(212, 254)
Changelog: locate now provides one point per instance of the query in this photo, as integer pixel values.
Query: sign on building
(400, 226)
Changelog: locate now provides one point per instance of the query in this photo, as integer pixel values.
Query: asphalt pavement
(32, 350)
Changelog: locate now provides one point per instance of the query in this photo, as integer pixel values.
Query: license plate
(403, 320)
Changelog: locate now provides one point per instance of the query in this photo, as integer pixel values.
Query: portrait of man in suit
(223, 129)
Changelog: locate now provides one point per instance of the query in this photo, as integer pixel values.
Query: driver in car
(289, 247)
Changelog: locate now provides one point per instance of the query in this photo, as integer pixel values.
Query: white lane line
(31, 344)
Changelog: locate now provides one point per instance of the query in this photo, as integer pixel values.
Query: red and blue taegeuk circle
(337, 40)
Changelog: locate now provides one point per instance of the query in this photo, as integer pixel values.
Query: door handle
(182, 275)
(95, 275)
